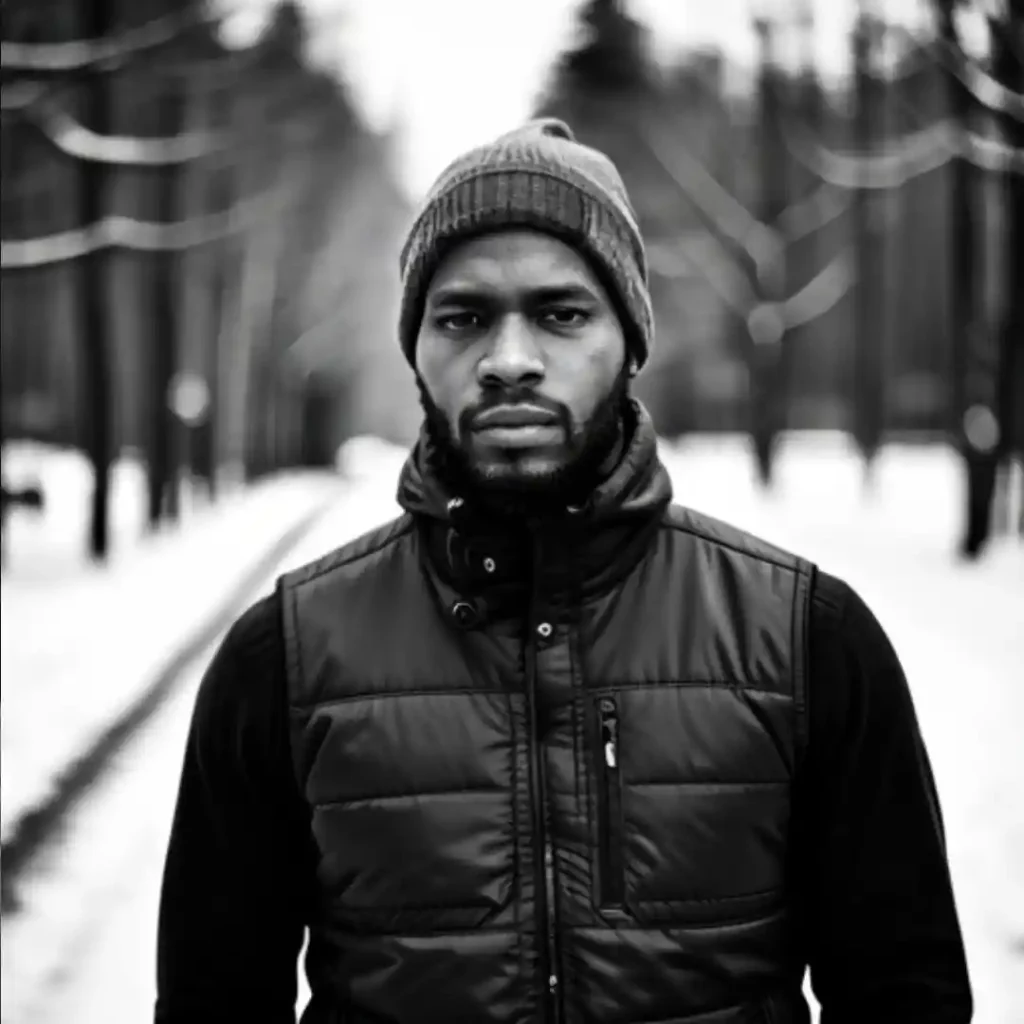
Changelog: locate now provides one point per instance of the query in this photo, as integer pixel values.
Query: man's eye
(465, 321)
(566, 316)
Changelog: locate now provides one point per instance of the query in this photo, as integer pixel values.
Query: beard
(588, 448)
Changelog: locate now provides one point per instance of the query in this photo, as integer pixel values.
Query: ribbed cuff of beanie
(528, 197)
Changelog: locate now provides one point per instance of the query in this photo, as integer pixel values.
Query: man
(548, 747)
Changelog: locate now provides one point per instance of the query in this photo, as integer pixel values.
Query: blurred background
(202, 208)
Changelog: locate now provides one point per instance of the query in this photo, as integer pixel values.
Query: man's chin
(522, 473)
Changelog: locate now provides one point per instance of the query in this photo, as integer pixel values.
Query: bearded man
(549, 747)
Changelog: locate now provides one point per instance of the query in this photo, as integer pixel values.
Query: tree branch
(821, 293)
(77, 141)
(117, 232)
(916, 154)
(77, 55)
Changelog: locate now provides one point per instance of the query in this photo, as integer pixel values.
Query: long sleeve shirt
(878, 917)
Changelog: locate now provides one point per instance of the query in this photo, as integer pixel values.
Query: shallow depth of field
(202, 209)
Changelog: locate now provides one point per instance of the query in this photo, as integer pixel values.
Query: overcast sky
(452, 73)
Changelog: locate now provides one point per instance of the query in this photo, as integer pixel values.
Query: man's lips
(513, 416)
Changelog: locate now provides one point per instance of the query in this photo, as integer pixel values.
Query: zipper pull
(610, 732)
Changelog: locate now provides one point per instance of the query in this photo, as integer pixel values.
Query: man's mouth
(512, 416)
(517, 426)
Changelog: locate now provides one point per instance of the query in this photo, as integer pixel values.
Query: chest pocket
(692, 805)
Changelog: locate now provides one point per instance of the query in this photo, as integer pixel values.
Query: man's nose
(514, 357)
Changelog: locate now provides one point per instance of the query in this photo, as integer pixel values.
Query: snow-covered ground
(78, 642)
(959, 631)
(958, 628)
(81, 946)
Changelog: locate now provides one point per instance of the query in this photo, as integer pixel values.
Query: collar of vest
(498, 564)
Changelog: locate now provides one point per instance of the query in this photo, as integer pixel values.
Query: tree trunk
(96, 22)
(1009, 69)
(255, 299)
(224, 291)
(271, 322)
(769, 355)
(163, 480)
(205, 450)
(966, 420)
(868, 377)
(317, 433)
(200, 271)
(258, 443)
(11, 313)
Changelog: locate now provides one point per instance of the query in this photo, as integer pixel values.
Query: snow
(958, 628)
(49, 543)
(79, 643)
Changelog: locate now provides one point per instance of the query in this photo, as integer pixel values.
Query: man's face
(522, 359)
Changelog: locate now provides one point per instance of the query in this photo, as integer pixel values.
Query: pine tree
(613, 55)
(606, 87)
(610, 66)
(284, 38)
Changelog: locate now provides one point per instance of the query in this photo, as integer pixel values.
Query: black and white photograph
(512, 512)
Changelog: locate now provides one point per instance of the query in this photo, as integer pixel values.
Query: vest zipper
(546, 909)
(610, 868)
(552, 939)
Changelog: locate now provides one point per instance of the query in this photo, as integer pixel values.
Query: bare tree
(96, 22)
(1008, 68)
(164, 357)
(868, 364)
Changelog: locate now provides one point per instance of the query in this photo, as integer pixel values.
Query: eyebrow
(458, 294)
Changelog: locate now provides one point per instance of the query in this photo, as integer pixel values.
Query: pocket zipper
(610, 868)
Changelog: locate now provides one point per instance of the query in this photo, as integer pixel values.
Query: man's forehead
(520, 261)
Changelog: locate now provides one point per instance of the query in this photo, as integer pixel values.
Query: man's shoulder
(359, 549)
(724, 535)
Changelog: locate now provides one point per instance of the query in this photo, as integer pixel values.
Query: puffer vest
(578, 813)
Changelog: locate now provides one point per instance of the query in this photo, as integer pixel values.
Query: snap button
(465, 615)
(545, 630)
(490, 565)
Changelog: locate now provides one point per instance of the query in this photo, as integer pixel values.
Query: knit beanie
(539, 177)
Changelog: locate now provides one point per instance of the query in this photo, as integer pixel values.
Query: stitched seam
(660, 684)
(349, 698)
(381, 797)
(595, 691)
(611, 689)
(704, 901)
(294, 661)
(794, 669)
(801, 568)
(470, 930)
(622, 924)
(517, 839)
(801, 650)
(710, 784)
(341, 562)
(399, 908)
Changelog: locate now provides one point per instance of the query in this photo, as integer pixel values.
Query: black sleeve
(236, 878)
(882, 934)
